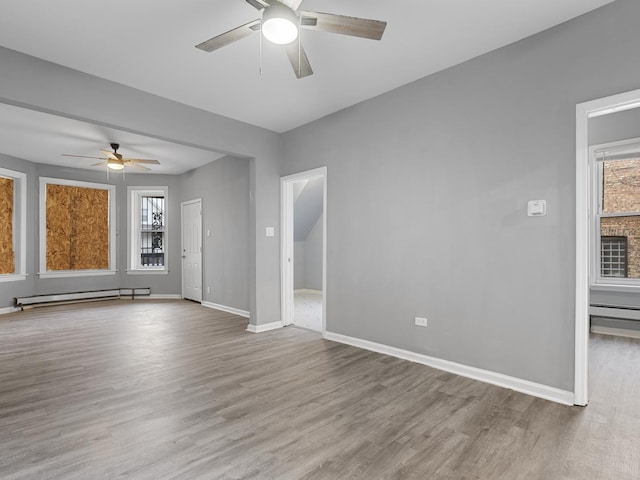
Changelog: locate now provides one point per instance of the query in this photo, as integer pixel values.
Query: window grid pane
(613, 255)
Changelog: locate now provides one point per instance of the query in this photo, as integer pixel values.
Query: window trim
(615, 151)
(133, 194)
(43, 272)
(19, 225)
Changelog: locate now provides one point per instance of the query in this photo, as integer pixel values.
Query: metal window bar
(152, 217)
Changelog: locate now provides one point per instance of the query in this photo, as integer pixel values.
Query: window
(613, 257)
(13, 225)
(617, 219)
(77, 228)
(147, 230)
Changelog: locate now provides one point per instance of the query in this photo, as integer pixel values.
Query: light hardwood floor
(173, 390)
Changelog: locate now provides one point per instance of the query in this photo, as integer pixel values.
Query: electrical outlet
(208, 290)
(421, 321)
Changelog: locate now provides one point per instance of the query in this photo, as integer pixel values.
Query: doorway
(304, 238)
(585, 112)
(191, 214)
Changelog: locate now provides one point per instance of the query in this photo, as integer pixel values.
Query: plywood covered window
(77, 228)
(12, 225)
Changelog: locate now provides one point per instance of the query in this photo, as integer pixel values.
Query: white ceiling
(149, 45)
(19, 128)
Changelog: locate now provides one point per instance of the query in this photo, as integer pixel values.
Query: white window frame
(597, 154)
(19, 225)
(134, 194)
(111, 270)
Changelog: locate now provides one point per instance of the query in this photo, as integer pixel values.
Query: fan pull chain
(260, 48)
(299, 45)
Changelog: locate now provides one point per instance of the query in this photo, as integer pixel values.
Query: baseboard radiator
(78, 297)
(611, 311)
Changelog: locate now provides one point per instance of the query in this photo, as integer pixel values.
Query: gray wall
(298, 265)
(159, 284)
(427, 194)
(223, 186)
(427, 190)
(43, 86)
(313, 257)
(307, 226)
(604, 129)
(307, 260)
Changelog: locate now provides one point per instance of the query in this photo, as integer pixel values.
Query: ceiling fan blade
(100, 164)
(258, 5)
(292, 4)
(354, 26)
(299, 61)
(82, 156)
(135, 165)
(140, 160)
(229, 37)
(109, 154)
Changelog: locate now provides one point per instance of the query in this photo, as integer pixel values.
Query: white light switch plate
(270, 231)
(537, 208)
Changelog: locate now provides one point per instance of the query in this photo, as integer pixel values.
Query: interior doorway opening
(586, 112)
(304, 223)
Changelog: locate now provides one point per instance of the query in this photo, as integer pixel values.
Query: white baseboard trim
(224, 308)
(620, 332)
(519, 385)
(5, 310)
(307, 290)
(265, 327)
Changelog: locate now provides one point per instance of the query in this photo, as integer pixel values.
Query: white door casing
(192, 250)
(584, 111)
(287, 199)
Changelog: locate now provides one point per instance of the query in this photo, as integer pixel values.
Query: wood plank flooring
(172, 390)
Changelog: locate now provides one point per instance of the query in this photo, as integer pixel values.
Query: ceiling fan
(115, 161)
(281, 23)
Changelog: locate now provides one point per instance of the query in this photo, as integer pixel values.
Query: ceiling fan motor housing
(279, 24)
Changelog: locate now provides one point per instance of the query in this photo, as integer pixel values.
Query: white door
(192, 250)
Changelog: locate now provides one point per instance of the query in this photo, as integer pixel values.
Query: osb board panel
(6, 226)
(77, 228)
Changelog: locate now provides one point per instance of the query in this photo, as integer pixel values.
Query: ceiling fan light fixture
(279, 24)
(115, 164)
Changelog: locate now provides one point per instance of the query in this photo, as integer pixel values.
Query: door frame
(182, 205)
(287, 243)
(584, 111)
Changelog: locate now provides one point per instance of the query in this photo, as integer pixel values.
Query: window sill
(12, 277)
(147, 272)
(615, 288)
(76, 273)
